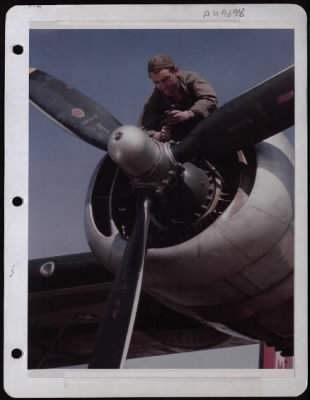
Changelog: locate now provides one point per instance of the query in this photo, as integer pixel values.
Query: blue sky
(110, 66)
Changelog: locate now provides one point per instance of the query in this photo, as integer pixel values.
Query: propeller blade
(115, 330)
(255, 115)
(74, 111)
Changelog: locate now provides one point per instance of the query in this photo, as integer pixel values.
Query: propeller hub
(142, 158)
(130, 148)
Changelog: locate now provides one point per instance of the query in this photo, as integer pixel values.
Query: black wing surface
(66, 299)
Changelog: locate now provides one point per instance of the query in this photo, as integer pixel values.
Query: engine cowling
(232, 263)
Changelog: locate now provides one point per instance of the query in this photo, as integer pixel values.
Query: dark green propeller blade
(246, 120)
(116, 327)
(76, 112)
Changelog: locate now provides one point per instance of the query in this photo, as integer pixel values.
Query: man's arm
(151, 118)
(204, 93)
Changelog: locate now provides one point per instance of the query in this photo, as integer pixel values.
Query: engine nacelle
(236, 267)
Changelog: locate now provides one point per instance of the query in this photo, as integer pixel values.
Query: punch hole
(16, 353)
(17, 201)
(18, 49)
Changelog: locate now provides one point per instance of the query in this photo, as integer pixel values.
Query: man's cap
(159, 62)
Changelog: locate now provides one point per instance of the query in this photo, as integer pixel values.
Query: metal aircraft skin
(219, 265)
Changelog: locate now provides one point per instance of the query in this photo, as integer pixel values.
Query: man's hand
(177, 116)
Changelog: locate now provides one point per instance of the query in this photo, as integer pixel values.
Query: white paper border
(20, 382)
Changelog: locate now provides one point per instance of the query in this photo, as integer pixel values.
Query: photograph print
(161, 198)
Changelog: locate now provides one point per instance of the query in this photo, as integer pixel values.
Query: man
(179, 101)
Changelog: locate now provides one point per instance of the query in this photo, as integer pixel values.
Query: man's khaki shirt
(199, 97)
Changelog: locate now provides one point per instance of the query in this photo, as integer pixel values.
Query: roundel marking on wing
(78, 113)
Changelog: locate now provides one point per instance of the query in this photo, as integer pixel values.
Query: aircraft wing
(66, 300)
